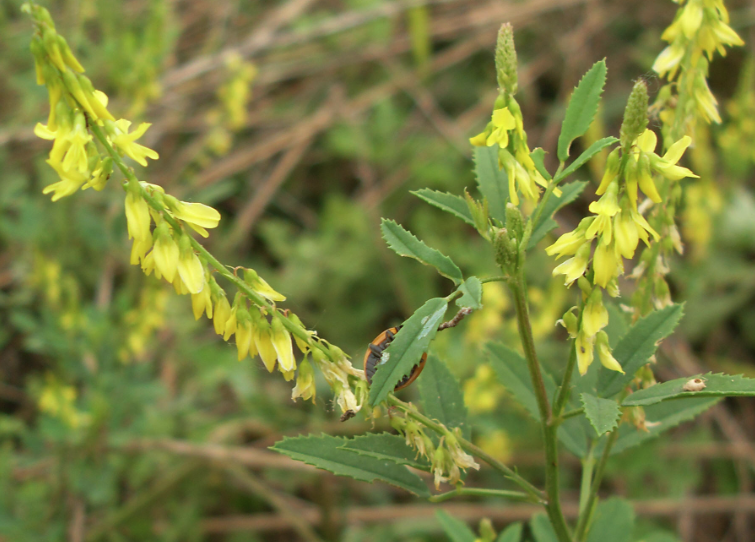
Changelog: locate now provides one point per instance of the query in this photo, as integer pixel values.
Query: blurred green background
(304, 122)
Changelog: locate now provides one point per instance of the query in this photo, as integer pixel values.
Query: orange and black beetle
(375, 352)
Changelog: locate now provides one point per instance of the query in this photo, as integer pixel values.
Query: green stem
(585, 517)
(478, 492)
(588, 464)
(570, 414)
(535, 494)
(205, 254)
(494, 279)
(563, 392)
(556, 515)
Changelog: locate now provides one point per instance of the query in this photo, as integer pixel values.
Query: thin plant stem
(585, 516)
(535, 494)
(556, 515)
(569, 414)
(563, 392)
(479, 492)
(588, 464)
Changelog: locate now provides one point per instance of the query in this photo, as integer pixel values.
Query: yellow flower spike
(137, 215)
(305, 382)
(503, 121)
(243, 332)
(584, 346)
(606, 264)
(166, 252)
(264, 341)
(575, 267)
(197, 213)
(282, 342)
(221, 314)
(595, 315)
(190, 269)
(645, 179)
(125, 142)
(230, 324)
(261, 287)
(604, 353)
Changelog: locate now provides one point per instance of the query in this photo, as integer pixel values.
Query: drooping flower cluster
(160, 226)
(617, 225)
(447, 460)
(506, 127)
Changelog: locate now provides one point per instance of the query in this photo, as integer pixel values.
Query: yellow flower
(222, 314)
(230, 325)
(606, 263)
(584, 346)
(479, 140)
(605, 355)
(666, 166)
(569, 243)
(137, 216)
(125, 142)
(503, 121)
(518, 178)
(166, 252)
(244, 333)
(201, 303)
(669, 59)
(258, 284)
(198, 216)
(305, 382)
(264, 342)
(281, 339)
(190, 269)
(595, 315)
(575, 267)
(70, 182)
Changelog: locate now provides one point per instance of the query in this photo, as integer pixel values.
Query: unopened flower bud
(514, 221)
(635, 115)
(505, 59)
(505, 251)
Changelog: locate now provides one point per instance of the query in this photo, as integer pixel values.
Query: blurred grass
(354, 104)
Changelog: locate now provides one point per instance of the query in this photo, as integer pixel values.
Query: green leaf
(512, 533)
(545, 222)
(492, 181)
(538, 158)
(442, 398)
(472, 294)
(385, 446)
(512, 371)
(602, 413)
(582, 108)
(405, 244)
(542, 529)
(637, 346)
(716, 385)
(613, 520)
(456, 529)
(660, 417)
(411, 342)
(450, 203)
(324, 452)
(591, 151)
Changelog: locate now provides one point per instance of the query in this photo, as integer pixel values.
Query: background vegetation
(123, 419)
